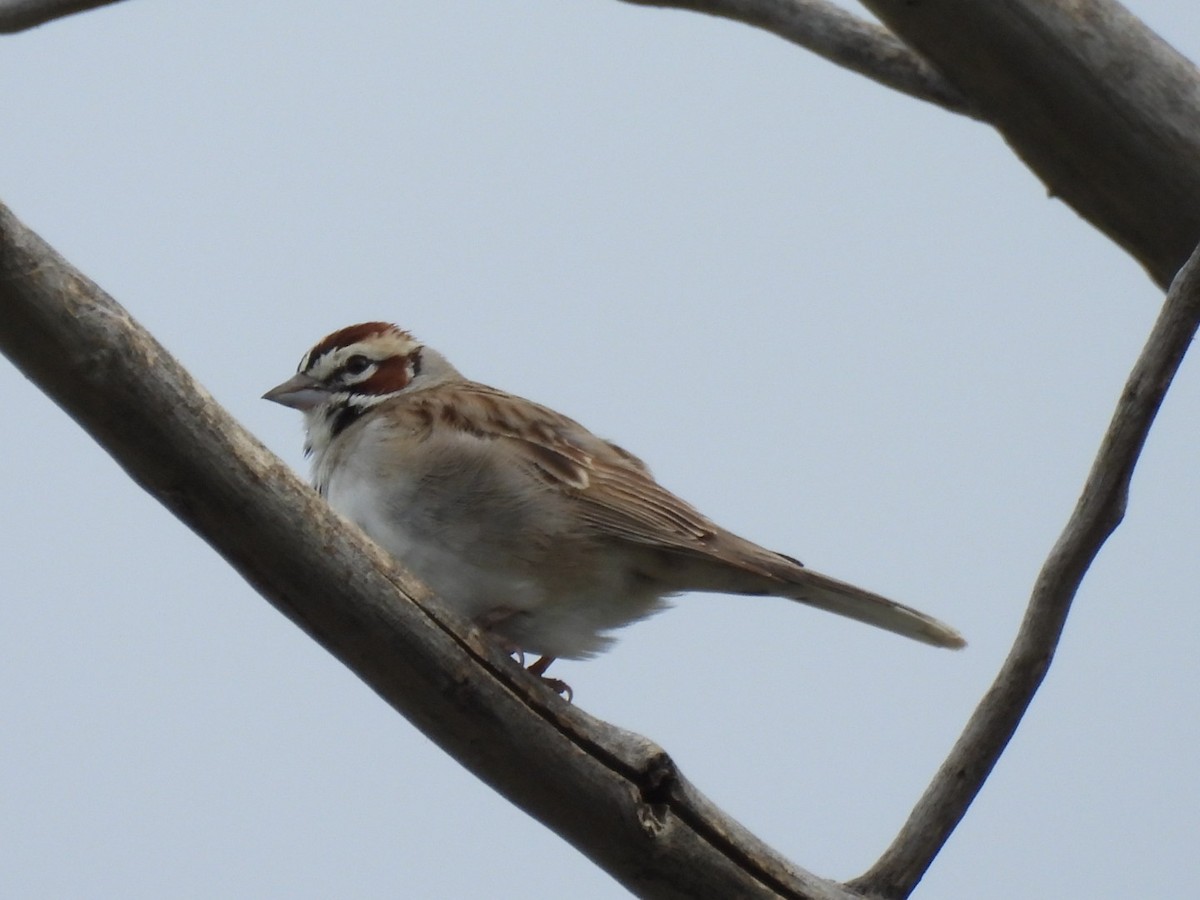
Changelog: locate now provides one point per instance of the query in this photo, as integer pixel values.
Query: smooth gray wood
(20, 15)
(1104, 112)
(841, 37)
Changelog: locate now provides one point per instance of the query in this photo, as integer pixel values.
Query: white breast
(485, 538)
(402, 521)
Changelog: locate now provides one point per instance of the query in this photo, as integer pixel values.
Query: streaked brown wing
(629, 504)
(616, 492)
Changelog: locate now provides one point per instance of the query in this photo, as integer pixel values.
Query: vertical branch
(1099, 510)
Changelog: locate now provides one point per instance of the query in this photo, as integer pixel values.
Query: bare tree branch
(818, 25)
(840, 37)
(613, 794)
(1096, 104)
(1100, 509)
(21, 15)
(1103, 110)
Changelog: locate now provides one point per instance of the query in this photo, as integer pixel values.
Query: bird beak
(301, 392)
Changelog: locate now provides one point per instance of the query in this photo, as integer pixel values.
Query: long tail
(835, 596)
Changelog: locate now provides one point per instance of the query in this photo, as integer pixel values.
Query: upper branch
(1103, 110)
(1099, 510)
(1096, 104)
(20, 15)
(817, 25)
(840, 37)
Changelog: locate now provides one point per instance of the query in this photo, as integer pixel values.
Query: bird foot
(557, 685)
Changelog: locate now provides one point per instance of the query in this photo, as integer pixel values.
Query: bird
(544, 535)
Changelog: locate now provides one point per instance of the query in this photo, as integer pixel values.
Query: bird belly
(438, 556)
(543, 590)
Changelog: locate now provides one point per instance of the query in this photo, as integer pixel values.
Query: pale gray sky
(843, 323)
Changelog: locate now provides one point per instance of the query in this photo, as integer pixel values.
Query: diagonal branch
(1099, 510)
(613, 794)
(21, 15)
(842, 38)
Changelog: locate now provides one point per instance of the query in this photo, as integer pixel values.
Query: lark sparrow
(546, 535)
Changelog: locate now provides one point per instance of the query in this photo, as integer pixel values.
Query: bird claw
(557, 685)
(538, 667)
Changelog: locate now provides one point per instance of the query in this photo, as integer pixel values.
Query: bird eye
(357, 364)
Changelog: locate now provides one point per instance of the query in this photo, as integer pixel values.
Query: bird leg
(557, 685)
(493, 618)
